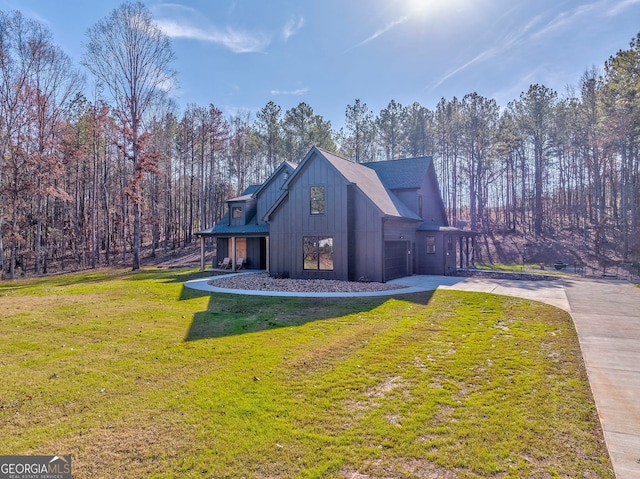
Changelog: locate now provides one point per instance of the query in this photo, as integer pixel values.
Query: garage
(396, 259)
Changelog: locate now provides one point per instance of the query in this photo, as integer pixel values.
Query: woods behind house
(89, 179)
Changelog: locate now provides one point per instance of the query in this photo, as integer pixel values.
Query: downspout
(384, 252)
(445, 256)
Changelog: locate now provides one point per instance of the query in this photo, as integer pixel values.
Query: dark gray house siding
(280, 243)
(293, 221)
(246, 209)
(222, 249)
(432, 205)
(442, 260)
(330, 218)
(271, 190)
(244, 222)
(430, 262)
(366, 241)
(368, 244)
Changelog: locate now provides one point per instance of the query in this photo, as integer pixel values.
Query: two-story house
(334, 219)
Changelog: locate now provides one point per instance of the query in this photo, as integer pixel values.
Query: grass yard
(136, 376)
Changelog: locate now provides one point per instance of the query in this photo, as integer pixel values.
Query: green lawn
(136, 376)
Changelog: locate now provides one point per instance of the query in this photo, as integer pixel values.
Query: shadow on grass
(232, 314)
(168, 275)
(62, 279)
(100, 275)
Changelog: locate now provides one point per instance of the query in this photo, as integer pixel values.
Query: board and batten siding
(365, 229)
(439, 262)
(293, 220)
(432, 209)
(269, 195)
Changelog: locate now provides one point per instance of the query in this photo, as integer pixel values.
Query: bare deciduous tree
(131, 55)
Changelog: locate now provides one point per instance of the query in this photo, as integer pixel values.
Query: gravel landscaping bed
(264, 282)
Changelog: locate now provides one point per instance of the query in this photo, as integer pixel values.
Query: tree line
(88, 180)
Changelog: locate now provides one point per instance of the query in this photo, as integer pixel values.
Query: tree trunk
(1, 251)
(136, 236)
(538, 211)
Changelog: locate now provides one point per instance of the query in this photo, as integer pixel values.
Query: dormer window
(317, 200)
(236, 212)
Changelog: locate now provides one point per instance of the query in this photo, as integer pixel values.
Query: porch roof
(222, 228)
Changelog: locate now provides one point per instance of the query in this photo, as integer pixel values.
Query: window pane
(431, 244)
(236, 212)
(317, 200)
(310, 251)
(318, 253)
(325, 253)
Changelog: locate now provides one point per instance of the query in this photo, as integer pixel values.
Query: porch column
(461, 254)
(473, 251)
(201, 253)
(267, 254)
(467, 252)
(233, 253)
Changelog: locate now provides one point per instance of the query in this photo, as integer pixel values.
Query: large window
(431, 244)
(317, 200)
(318, 252)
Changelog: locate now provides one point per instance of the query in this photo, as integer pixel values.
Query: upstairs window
(317, 200)
(236, 212)
(431, 244)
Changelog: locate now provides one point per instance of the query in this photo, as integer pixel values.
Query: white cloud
(565, 19)
(292, 27)
(235, 40)
(382, 31)
(621, 6)
(175, 6)
(507, 42)
(485, 55)
(298, 92)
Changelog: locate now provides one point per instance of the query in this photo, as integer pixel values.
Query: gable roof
(284, 166)
(407, 173)
(365, 179)
(251, 226)
(247, 194)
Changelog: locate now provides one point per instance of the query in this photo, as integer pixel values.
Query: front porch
(246, 252)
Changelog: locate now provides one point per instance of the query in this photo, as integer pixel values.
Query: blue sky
(241, 54)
